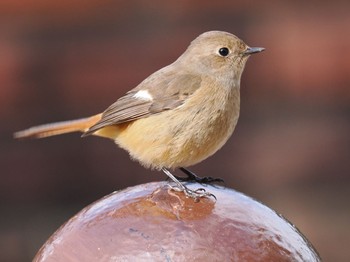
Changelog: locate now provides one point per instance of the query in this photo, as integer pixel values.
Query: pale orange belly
(169, 140)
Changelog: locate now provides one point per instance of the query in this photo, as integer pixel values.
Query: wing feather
(166, 95)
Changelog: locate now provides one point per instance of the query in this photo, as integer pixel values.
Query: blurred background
(62, 60)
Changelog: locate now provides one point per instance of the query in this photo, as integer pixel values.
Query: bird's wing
(150, 97)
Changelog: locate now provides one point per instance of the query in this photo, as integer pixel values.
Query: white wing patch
(143, 95)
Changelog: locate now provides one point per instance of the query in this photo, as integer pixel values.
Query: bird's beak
(253, 50)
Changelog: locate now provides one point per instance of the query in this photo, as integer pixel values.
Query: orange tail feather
(79, 125)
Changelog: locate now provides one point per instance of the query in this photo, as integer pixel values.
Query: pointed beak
(253, 50)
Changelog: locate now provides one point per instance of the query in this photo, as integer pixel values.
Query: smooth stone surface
(150, 222)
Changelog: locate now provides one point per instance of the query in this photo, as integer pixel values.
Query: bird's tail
(79, 125)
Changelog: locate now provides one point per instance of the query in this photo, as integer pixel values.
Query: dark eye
(223, 51)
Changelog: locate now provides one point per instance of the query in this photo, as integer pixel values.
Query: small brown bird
(179, 115)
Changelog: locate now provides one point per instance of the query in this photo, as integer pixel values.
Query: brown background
(68, 59)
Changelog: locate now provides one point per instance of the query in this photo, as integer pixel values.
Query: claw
(195, 194)
(200, 189)
(179, 187)
(193, 177)
(212, 195)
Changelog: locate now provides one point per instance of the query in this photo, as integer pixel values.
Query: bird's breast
(183, 136)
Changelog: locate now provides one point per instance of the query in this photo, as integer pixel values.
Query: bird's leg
(195, 194)
(193, 177)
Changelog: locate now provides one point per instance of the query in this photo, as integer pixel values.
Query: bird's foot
(195, 194)
(192, 177)
(179, 187)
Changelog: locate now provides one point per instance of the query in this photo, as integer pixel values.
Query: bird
(179, 115)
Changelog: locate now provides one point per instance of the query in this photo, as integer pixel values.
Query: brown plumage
(178, 116)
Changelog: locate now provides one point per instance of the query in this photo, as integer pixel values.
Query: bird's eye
(223, 51)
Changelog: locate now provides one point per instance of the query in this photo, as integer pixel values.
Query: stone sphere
(151, 222)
